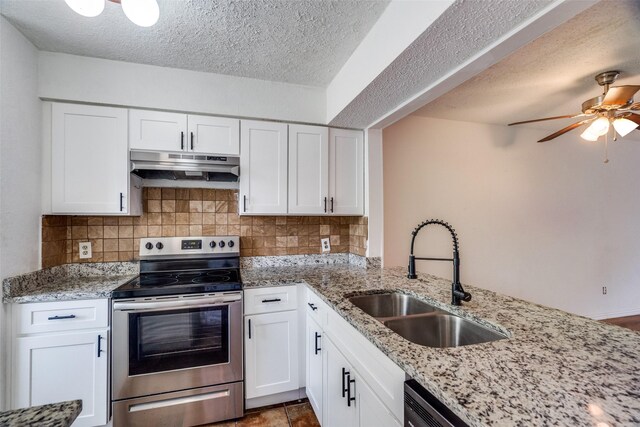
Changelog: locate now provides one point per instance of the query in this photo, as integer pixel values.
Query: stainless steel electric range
(177, 335)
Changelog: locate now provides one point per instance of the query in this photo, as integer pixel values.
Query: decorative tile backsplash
(169, 212)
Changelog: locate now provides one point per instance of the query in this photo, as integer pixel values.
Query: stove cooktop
(183, 282)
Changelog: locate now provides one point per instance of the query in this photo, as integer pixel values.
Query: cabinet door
(371, 411)
(346, 172)
(157, 130)
(263, 168)
(56, 367)
(338, 412)
(308, 169)
(271, 352)
(314, 366)
(89, 159)
(214, 135)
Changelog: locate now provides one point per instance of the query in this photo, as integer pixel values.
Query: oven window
(177, 339)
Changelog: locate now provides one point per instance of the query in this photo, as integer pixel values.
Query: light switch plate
(85, 249)
(326, 246)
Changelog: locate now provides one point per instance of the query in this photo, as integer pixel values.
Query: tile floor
(291, 414)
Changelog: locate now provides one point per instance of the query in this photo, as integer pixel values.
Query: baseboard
(273, 399)
(617, 313)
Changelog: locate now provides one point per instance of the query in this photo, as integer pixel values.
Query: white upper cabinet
(90, 161)
(263, 168)
(161, 131)
(308, 169)
(157, 130)
(214, 135)
(346, 172)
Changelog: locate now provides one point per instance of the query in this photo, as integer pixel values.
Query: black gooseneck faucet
(457, 292)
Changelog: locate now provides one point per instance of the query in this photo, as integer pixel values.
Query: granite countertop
(68, 282)
(554, 369)
(61, 414)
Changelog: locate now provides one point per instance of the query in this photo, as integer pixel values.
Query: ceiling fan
(614, 107)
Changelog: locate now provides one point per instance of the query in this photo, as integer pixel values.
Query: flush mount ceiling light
(612, 112)
(143, 13)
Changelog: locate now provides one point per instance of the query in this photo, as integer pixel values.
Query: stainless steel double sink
(422, 323)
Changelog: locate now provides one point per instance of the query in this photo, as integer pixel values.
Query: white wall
(373, 206)
(19, 164)
(79, 78)
(549, 223)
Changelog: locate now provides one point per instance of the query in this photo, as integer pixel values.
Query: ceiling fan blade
(619, 95)
(546, 118)
(635, 106)
(634, 118)
(565, 130)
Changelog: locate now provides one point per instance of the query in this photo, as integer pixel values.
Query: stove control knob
(212, 244)
(159, 245)
(149, 245)
(221, 244)
(231, 243)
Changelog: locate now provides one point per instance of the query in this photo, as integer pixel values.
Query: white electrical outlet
(326, 246)
(85, 249)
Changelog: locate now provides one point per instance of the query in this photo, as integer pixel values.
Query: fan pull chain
(606, 148)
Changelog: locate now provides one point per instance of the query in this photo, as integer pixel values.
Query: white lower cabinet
(355, 384)
(65, 365)
(339, 410)
(271, 353)
(314, 369)
(372, 412)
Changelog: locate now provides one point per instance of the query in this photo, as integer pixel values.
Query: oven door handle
(163, 305)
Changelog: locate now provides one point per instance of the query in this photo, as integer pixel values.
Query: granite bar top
(61, 414)
(68, 282)
(554, 369)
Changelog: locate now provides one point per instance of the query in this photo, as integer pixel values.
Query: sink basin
(391, 305)
(442, 330)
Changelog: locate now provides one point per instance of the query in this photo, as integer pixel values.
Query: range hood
(184, 170)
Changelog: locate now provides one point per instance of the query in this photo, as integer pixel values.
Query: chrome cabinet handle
(71, 316)
(325, 205)
(164, 305)
(313, 307)
(271, 300)
(249, 328)
(182, 140)
(121, 202)
(332, 205)
(244, 202)
(192, 140)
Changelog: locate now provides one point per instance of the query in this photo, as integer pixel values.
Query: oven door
(175, 343)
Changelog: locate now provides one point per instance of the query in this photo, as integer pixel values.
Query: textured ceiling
(554, 74)
(295, 41)
(465, 28)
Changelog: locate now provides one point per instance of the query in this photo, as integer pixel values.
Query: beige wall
(549, 223)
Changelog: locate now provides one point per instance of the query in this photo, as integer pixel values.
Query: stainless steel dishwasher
(422, 409)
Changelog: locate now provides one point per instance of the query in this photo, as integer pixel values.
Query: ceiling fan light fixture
(87, 8)
(143, 13)
(589, 136)
(600, 126)
(624, 126)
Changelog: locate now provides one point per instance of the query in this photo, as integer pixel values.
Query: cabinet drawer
(316, 308)
(57, 316)
(268, 300)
